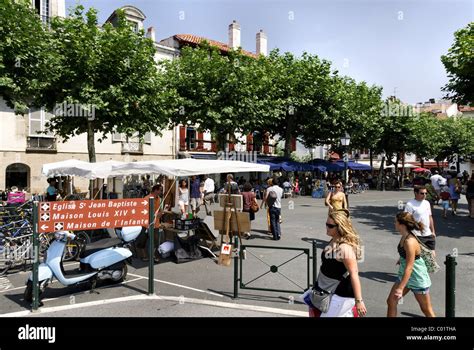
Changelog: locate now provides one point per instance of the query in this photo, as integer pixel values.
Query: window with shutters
(122, 137)
(38, 118)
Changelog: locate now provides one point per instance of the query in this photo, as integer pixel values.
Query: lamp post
(345, 141)
(383, 171)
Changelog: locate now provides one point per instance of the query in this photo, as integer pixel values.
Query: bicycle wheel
(73, 248)
(71, 251)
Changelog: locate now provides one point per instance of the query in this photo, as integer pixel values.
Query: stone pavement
(203, 288)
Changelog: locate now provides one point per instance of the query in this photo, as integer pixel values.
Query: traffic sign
(92, 214)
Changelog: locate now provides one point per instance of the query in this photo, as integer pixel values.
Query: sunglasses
(423, 193)
(330, 225)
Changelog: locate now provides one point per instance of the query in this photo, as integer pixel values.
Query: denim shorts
(422, 291)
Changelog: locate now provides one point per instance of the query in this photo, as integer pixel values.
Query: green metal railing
(273, 268)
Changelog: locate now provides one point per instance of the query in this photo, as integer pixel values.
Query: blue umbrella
(355, 166)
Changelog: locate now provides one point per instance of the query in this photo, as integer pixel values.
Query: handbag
(428, 256)
(320, 299)
(254, 206)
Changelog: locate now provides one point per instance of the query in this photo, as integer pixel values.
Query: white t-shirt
(209, 185)
(437, 180)
(421, 211)
(279, 192)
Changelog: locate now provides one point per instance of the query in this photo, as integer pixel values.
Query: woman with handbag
(250, 203)
(413, 273)
(339, 274)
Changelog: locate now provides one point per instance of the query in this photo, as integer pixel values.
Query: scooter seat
(91, 248)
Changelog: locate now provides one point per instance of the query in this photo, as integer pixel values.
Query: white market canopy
(187, 167)
(75, 167)
(171, 167)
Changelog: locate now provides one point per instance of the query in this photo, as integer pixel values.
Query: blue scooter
(101, 260)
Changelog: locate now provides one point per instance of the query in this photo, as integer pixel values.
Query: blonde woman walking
(339, 273)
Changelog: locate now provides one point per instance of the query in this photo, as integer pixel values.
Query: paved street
(203, 288)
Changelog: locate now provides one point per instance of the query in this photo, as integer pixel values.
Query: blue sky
(395, 44)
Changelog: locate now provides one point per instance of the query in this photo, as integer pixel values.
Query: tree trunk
(437, 165)
(91, 151)
(90, 142)
(381, 179)
(422, 162)
(402, 179)
(220, 138)
(288, 137)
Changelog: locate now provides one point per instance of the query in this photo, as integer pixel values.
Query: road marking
(226, 305)
(5, 284)
(88, 291)
(181, 286)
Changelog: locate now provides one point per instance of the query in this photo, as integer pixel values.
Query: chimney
(151, 33)
(262, 43)
(234, 34)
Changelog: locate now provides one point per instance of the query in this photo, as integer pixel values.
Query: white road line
(181, 286)
(5, 284)
(9, 290)
(245, 307)
(88, 291)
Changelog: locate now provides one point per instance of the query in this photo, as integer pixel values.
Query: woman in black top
(339, 273)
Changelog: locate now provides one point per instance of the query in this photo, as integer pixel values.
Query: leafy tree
(428, 137)
(219, 93)
(457, 138)
(109, 71)
(28, 62)
(301, 98)
(459, 63)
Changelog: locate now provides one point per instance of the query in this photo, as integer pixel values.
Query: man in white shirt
(273, 196)
(421, 210)
(208, 193)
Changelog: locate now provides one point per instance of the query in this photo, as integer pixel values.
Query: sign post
(88, 215)
(151, 246)
(92, 214)
(35, 258)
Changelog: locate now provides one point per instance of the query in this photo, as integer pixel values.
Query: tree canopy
(459, 64)
(109, 71)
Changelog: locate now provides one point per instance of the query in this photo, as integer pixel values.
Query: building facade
(24, 147)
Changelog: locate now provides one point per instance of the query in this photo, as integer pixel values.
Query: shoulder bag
(427, 255)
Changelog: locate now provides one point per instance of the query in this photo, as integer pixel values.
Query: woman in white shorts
(183, 199)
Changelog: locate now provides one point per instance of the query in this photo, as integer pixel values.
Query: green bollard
(236, 268)
(151, 246)
(450, 307)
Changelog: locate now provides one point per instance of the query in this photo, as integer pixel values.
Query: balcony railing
(41, 144)
(132, 148)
